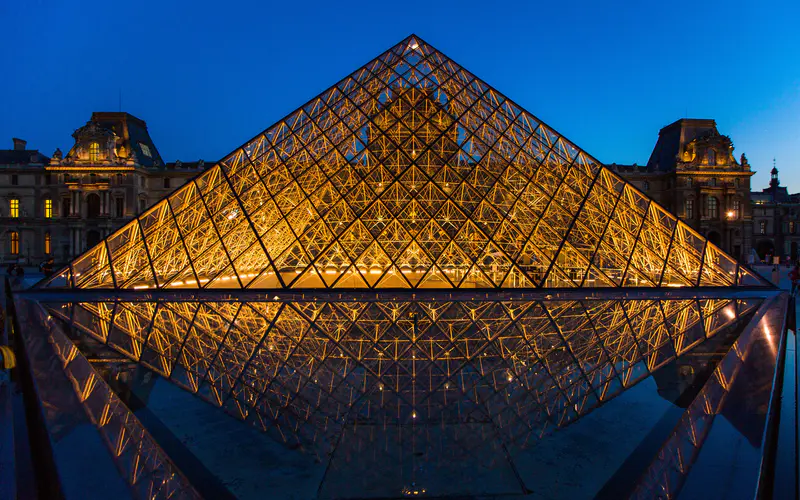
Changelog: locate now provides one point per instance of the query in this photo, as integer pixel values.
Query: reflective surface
(451, 398)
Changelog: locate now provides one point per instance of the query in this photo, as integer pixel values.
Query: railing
(779, 469)
(77, 423)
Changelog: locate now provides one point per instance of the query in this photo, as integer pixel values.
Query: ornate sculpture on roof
(57, 154)
(93, 143)
(710, 150)
(743, 161)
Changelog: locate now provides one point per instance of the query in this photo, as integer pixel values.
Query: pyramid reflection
(309, 369)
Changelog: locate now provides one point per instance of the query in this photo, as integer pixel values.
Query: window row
(93, 207)
(788, 227)
(15, 243)
(712, 209)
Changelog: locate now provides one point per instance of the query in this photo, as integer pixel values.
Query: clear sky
(207, 76)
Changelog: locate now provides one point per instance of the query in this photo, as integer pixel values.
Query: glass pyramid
(409, 173)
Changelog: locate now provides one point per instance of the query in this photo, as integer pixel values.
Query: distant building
(58, 207)
(692, 172)
(775, 220)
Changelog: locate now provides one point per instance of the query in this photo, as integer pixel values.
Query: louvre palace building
(410, 286)
(58, 206)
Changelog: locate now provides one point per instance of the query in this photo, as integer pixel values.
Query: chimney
(19, 144)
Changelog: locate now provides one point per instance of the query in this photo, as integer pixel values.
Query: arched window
(712, 157)
(14, 237)
(713, 207)
(47, 243)
(94, 151)
(689, 209)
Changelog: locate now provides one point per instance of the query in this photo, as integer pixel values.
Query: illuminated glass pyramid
(409, 173)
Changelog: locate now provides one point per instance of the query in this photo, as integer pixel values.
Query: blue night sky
(207, 76)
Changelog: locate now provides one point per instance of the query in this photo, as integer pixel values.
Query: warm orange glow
(410, 174)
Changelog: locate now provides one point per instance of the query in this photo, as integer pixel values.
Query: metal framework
(409, 173)
(410, 251)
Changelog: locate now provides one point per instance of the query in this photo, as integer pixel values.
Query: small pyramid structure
(411, 172)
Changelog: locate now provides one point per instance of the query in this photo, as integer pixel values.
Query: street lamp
(731, 214)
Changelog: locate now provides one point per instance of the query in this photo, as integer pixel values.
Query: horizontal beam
(387, 295)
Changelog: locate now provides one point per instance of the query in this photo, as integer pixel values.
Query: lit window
(689, 209)
(48, 208)
(47, 243)
(14, 203)
(145, 150)
(713, 207)
(14, 242)
(94, 151)
(762, 226)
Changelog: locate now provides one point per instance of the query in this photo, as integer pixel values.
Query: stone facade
(776, 215)
(693, 173)
(58, 207)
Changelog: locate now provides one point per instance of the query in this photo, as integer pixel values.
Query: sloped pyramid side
(409, 173)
